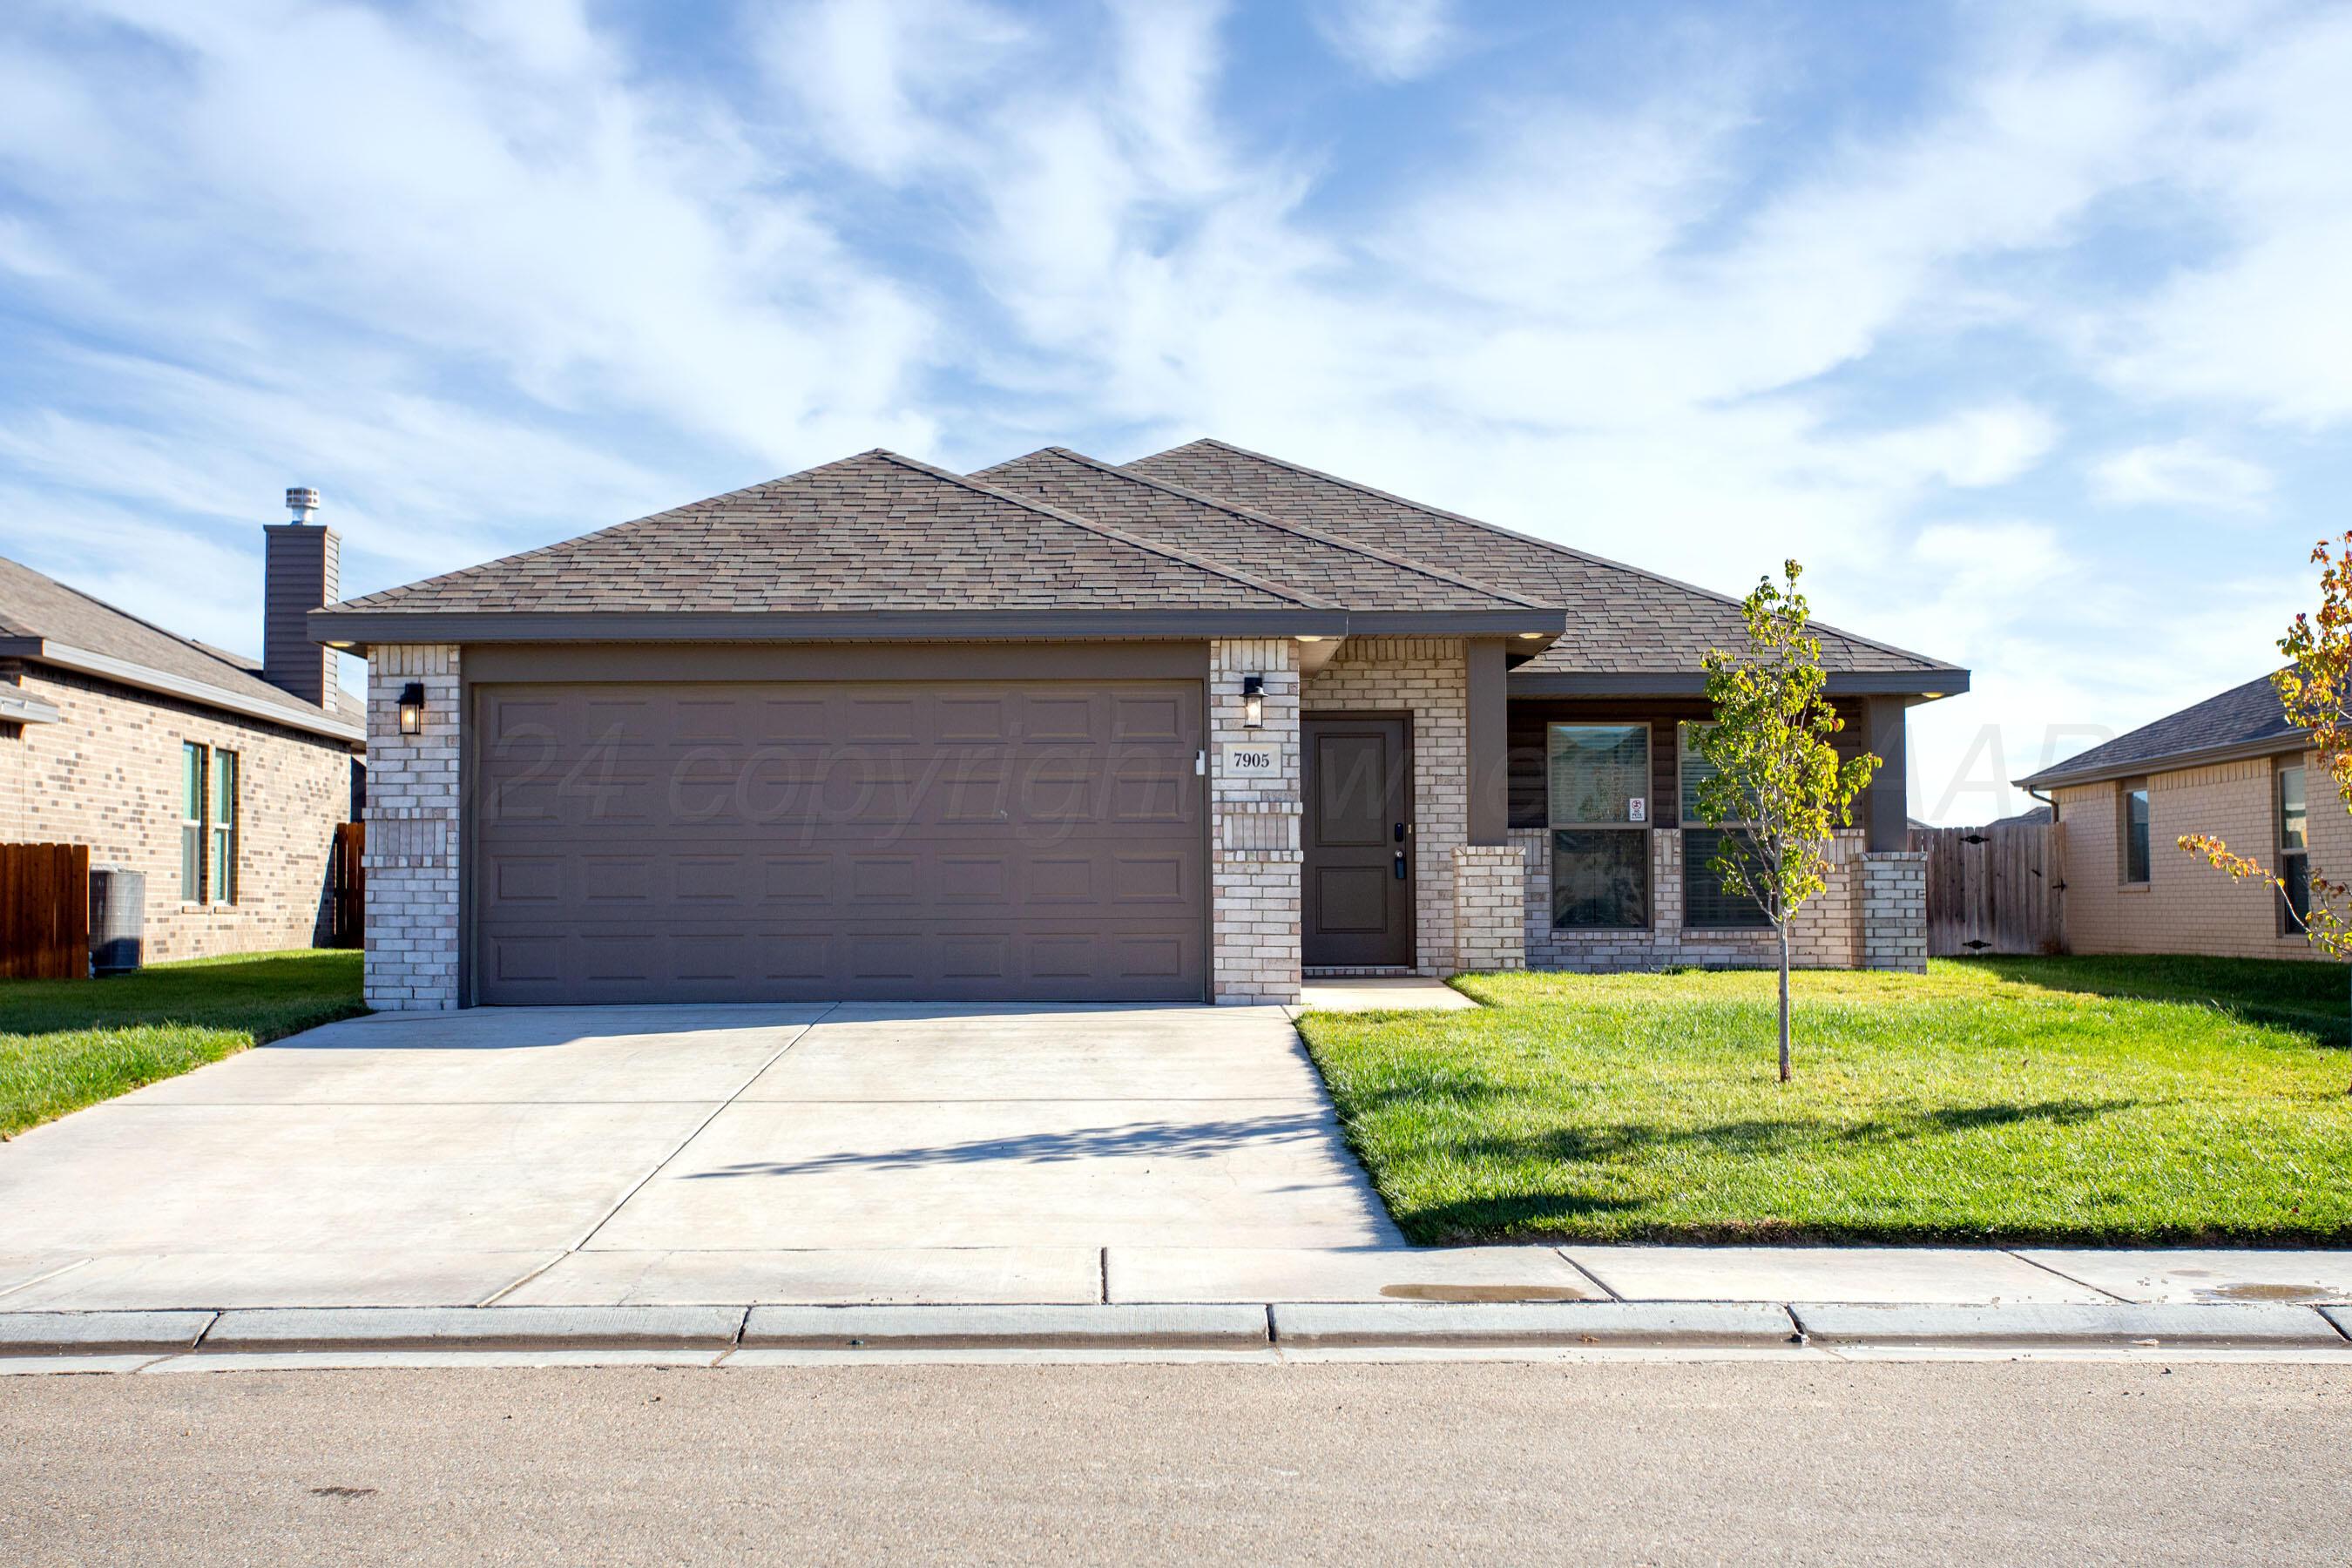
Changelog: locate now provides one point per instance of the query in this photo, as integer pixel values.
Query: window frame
(2125, 789)
(1687, 822)
(209, 836)
(1554, 829)
(2290, 910)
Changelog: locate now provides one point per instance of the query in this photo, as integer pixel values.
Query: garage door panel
(970, 841)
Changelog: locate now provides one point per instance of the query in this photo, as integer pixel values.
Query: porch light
(1253, 702)
(412, 708)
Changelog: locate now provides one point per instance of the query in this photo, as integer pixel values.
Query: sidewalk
(1190, 1302)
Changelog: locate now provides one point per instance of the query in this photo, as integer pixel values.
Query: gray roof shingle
(1353, 575)
(33, 605)
(873, 532)
(1620, 619)
(2246, 716)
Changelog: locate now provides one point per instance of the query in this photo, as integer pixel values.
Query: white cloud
(2186, 473)
(1394, 40)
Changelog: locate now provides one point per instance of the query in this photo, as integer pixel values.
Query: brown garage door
(956, 842)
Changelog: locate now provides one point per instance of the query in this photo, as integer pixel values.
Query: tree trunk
(1784, 1001)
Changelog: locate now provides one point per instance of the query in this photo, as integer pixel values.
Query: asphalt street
(1648, 1462)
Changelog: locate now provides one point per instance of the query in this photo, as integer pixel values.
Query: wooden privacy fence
(347, 887)
(45, 911)
(1992, 890)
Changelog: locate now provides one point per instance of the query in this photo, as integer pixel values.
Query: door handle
(1399, 864)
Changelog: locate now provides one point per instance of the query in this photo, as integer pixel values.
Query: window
(191, 824)
(1598, 787)
(2294, 851)
(207, 825)
(2134, 826)
(1707, 904)
(220, 870)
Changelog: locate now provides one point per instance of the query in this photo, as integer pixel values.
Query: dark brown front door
(1359, 894)
(947, 841)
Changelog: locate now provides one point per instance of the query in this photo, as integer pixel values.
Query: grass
(65, 1044)
(2061, 1099)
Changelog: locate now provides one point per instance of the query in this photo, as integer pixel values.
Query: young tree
(2314, 688)
(1773, 770)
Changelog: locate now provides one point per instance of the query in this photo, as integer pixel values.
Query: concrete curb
(101, 1333)
(1406, 1323)
(2341, 1317)
(1112, 1327)
(474, 1328)
(2172, 1323)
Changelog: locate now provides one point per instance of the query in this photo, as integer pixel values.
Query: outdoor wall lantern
(1253, 702)
(412, 708)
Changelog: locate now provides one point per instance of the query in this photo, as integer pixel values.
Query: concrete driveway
(857, 1152)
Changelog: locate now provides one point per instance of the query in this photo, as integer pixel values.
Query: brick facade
(1255, 860)
(1489, 901)
(1427, 678)
(412, 888)
(1895, 912)
(2185, 906)
(1827, 933)
(108, 775)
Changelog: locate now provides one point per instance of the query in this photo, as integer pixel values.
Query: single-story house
(1187, 729)
(2231, 765)
(218, 777)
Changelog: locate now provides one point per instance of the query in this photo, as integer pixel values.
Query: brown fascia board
(163, 683)
(1925, 684)
(2172, 763)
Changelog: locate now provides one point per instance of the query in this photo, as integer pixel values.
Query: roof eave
(1924, 684)
(143, 678)
(363, 628)
(2291, 741)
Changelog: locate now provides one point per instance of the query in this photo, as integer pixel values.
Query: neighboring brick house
(2231, 765)
(1192, 728)
(219, 777)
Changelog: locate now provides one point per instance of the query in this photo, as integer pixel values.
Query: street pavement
(1645, 1462)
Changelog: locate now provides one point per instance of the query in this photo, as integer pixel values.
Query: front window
(2134, 826)
(220, 867)
(2294, 849)
(1598, 789)
(1707, 904)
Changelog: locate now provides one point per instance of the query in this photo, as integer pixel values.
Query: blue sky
(2026, 326)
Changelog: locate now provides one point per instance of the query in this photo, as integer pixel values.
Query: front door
(1359, 894)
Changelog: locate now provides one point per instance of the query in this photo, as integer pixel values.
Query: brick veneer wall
(2185, 906)
(1827, 933)
(1429, 678)
(108, 775)
(1489, 908)
(413, 832)
(1255, 861)
(1895, 912)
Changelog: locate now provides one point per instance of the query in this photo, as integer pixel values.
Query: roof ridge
(188, 642)
(1251, 514)
(1296, 595)
(1584, 555)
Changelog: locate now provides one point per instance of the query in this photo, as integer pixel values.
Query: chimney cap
(301, 500)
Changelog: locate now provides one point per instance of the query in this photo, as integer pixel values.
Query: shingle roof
(36, 606)
(1353, 575)
(1620, 619)
(873, 532)
(2247, 717)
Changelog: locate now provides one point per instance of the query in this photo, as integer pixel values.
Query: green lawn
(1994, 1100)
(65, 1044)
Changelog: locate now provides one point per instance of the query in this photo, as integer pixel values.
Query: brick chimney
(304, 571)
